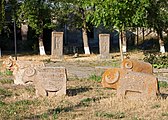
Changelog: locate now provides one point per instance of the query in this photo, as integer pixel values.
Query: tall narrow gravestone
(57, 45)
(104, 46)
(24, 31)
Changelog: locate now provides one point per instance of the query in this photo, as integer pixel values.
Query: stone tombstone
(19, 69)
(48, 81)
(57, 45)
(130, 84)
(104, 46)
(24, 31)
(137, 66)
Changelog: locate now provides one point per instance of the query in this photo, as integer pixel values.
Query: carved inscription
(22, 69)
(104, 45)
(52, 78)
(57, 44)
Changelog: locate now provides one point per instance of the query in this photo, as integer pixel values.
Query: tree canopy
(2, 14)
(36, 13)
(119, 14)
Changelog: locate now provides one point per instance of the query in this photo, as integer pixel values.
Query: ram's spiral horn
(127, 64)
(111, 76)
(29, 72)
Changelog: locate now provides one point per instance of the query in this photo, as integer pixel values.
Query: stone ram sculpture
(48, 81)
(130, 84)
(137, 66)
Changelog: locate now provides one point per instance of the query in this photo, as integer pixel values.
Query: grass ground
(85, 100)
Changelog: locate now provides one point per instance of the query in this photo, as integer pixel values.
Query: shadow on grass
(54, 112)
(75, 91)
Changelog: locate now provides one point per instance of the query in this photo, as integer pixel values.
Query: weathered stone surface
(48, 81)
(20, 67)
(7, 63)
(104, 46)
(137, 66)
(24, 31)
(57, 45)
(130, 84)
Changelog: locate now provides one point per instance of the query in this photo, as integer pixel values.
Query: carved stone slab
(104, 46)
(57, 45)
(130, 84)
(48, 81)
(19, 69)
(137, 66)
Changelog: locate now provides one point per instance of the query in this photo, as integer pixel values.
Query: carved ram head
(110, 78)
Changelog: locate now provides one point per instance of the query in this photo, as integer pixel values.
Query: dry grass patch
(85, 100)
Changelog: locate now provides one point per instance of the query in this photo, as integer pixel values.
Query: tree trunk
(41, 45)
(85, 39)
(0, 52)
(143, 34)
(120, 45)
(124, 40)
(161, 42)
(137, 37)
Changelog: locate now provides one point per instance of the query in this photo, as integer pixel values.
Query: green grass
(6, 81)
(117, 115)
(30, 89)
(95, 78)
(165, 114)
(6, 72)
(16, 109)
(163, 84)
(2, 103)
(5, 93)
(156, 106)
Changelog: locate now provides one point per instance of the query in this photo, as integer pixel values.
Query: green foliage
(157, 15)
(117, 115)
(118, 13)
(36, 13)
(2, 14)
(157, 60)
(72, 13)
(163, 84)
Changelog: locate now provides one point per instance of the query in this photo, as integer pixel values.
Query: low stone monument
(137, 66)
(130, 84)
(57, 45)
(104, 46)
(48, 81)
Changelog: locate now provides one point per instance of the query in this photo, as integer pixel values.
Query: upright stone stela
(57, 45)
(104, 46)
